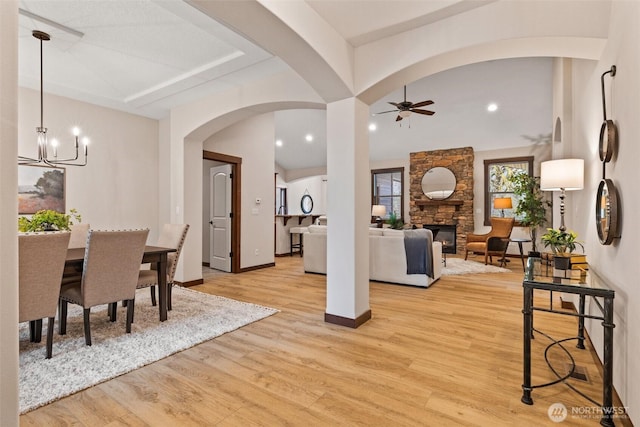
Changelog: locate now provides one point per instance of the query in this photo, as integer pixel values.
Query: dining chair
(79, 233)
(110, 272)
(172, 236)
(41, 258)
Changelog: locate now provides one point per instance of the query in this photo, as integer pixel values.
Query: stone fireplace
(456, 210)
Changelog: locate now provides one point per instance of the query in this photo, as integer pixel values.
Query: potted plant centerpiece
(48, 220)
(562, 244)
(395, 222)
(532, 206)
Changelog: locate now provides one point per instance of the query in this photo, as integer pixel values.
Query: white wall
(616, 265)
(252, 140)
(315, 186)
(8, 214)
(118, 189)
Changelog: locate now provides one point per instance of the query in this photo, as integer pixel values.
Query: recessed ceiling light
(492, 107)
(373, 126)
(309, 137)
(279, 142)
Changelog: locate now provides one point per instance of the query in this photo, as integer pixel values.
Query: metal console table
(578, 287)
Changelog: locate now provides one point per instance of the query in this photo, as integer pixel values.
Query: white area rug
(460, 266)
(196, 317)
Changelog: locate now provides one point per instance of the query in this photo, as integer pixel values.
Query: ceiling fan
(405, 108)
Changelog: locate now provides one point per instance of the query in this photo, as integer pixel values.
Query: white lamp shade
(564, 173)
(378, 210)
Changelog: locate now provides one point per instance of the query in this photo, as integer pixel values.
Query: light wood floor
(448, 355)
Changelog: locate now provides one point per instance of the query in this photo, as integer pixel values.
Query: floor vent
(579, 373)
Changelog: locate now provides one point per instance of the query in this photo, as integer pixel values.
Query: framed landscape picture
(40, 187)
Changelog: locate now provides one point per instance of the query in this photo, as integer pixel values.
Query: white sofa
(387, 259)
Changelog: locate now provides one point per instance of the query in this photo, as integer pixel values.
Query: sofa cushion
(375, 231)
(317, 229)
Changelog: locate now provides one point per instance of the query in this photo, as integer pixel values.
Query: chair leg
(169, 286)
(130, 305)
(38, 330)
(466, 253)
(113, 309)
(87, 326)
(62, 315)
(32, 330)
(50, 337)
(485, 259)
(153, 295)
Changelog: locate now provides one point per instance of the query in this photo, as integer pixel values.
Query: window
(497, 183)
(387, 188)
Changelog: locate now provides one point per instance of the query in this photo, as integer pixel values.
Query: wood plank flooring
(449, 355)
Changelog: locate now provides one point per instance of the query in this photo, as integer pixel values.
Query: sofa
(387, 258)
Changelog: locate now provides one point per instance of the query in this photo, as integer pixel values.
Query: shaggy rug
(196, 317)
(460, 266)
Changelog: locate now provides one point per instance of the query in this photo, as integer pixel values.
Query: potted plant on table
(395, 222)
(532, 206)
(562, 244)
(48, 220)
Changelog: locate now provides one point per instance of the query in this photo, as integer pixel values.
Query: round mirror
(608, 140)
(306, 204)
(438, 183)
(607, 212)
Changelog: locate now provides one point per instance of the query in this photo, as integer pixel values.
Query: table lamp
(502, 203)
(562, 175)
(378, 211)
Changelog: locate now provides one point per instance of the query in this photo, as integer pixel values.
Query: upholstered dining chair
(110, 273)
(41, 259)
(172, 236)
(79, 234)
(494, 242)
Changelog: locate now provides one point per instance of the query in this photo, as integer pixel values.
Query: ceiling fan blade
(425, 112)
(422, 104)
(398, 118)
(382, 112)
(395, 104)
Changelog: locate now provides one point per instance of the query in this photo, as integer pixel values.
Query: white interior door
(220, 218)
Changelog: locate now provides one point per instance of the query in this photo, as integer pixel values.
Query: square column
(348, 213)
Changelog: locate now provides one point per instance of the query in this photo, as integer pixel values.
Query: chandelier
(44, 157)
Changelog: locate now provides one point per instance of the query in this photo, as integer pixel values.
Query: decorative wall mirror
(607, 212)
(306, 204)
(438, 183)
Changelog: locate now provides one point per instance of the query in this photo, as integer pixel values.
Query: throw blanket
(418, 246)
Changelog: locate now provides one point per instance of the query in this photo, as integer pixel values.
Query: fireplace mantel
(422, 203)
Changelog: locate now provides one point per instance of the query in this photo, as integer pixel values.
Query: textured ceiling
(146, 57)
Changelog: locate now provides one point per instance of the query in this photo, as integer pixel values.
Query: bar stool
(299, 231)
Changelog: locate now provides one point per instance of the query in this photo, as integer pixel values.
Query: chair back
(501, 227)
(41, 259)
(172, 236)
(79, 234)
(111, 265)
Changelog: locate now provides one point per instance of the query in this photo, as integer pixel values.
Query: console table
(578, 287)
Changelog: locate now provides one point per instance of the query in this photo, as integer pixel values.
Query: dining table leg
(162, 286)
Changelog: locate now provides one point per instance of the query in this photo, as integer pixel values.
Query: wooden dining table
(152, 255)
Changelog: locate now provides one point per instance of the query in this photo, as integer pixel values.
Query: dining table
(152, 255)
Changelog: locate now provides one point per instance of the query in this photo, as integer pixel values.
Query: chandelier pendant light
(44, 156)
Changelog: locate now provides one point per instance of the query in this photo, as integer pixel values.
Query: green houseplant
(532, 205)
(395, 222)
(48, 220)
(562, 242)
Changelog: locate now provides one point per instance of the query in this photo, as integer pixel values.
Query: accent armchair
(494, 242)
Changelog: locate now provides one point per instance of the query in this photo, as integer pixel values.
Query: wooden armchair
(494, 242)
